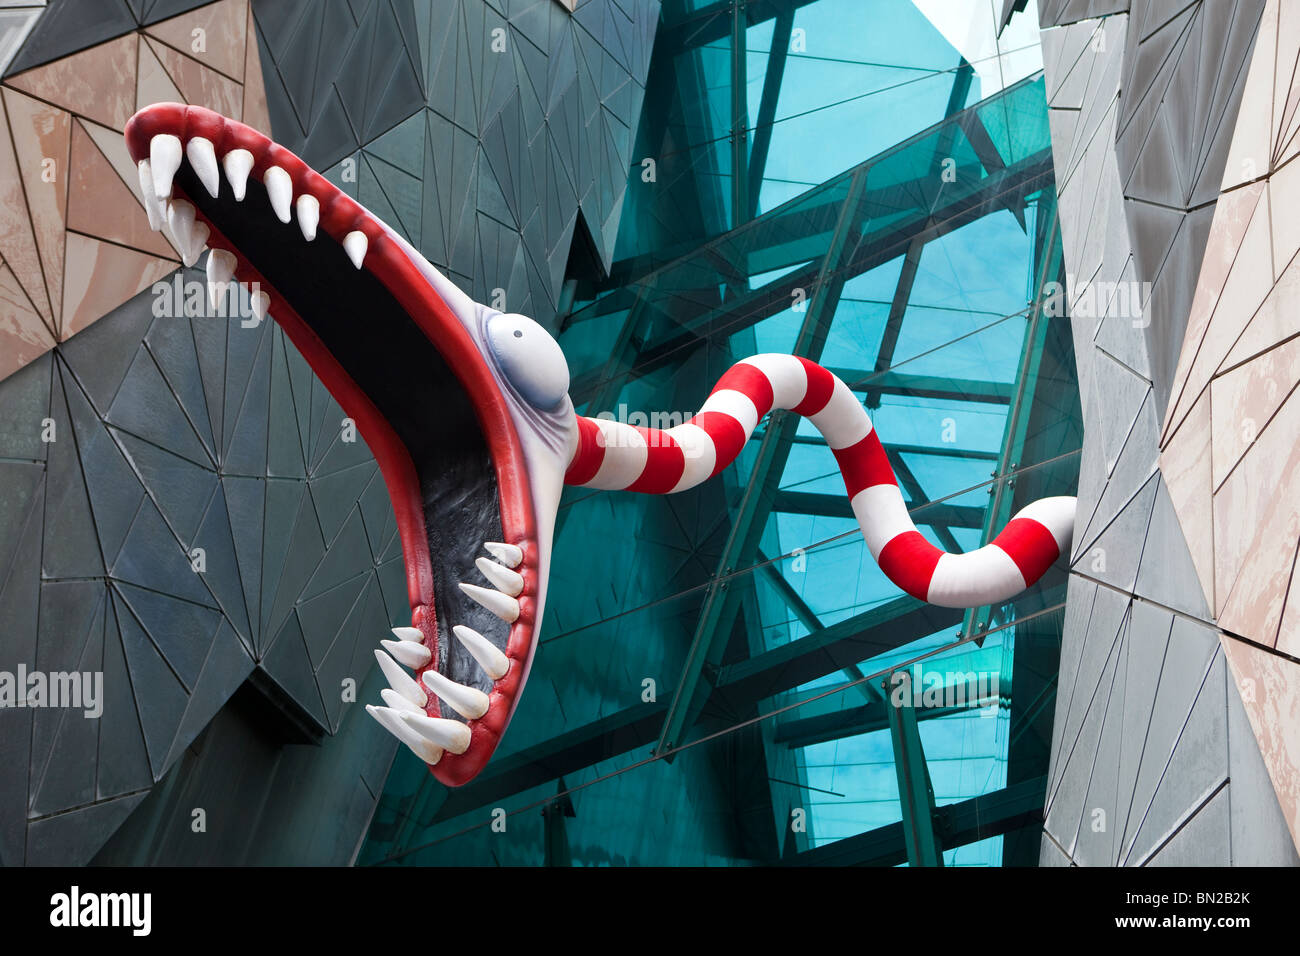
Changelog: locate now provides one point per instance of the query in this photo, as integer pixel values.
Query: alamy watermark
(75, 908)
(177, 299)
(657, 423)
(76, 690)
(924, 687)
(1119, 300)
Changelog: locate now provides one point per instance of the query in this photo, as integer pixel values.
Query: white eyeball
(530, 358)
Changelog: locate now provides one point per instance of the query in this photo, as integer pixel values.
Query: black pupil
(519, 334)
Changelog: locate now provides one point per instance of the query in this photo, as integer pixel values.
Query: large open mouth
(404, 367)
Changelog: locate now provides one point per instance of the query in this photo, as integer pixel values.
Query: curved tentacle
(616, 456)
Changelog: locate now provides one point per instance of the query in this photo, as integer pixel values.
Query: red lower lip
(339, 215)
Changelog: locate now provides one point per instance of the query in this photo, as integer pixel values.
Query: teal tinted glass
(713, 681)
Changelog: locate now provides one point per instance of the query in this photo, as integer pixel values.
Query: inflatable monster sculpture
(467, 411)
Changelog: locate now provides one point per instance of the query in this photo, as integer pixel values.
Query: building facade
(1014, 233)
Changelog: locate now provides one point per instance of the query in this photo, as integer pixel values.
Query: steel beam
(892, 382)
(1047, 243)
(743, 311)
(863, 636)
(567, 753)
(915, 793)
(720, 602)
(943, 451)
(806, 616)
(554, 833)
(739, 133)
(837, 506)
(864, 719)
(777, 55)
(739, 687)
(712, 23)
(959, 824)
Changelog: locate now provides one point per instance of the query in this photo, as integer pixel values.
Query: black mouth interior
(392, 361)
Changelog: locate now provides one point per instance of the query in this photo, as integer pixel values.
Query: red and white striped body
(616, 456)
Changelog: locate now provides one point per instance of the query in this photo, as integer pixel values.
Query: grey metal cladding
(184, 433)
(1142, 108)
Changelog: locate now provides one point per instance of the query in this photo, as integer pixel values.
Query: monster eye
(530, 358)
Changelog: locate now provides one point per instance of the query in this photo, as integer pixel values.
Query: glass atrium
(714, 679)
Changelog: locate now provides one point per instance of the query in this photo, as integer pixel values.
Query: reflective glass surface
(719, 672)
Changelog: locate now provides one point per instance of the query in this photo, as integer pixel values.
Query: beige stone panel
(17, 241)
(1256, 527)
(1245, 398)
(1288, 46)
(1290, 147)
(101, 276)
(154, 86)
(1251, 150)
(42, 134)
(23, 335)
(223, 29)
(1270, 691)
(98, 82)
(1284, 197)
(1236, 274)
(1288, 635)
(198, 84)
(113, 145)
(1277, 319)
(100, 204)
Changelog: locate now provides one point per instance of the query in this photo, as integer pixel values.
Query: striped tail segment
(616, 456)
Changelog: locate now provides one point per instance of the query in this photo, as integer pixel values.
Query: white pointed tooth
(279, 189)
(180, 222)
(164, 160)
(409, 634)
(508, 554)
(448, 734)
(308, 207)
(153, 206)
(505, 580)
(198, 242)
(470, 702)
(396, 701)
(408, 653)
(237, 163)
(355, 243)
(221, 265)
(260, 303)
(489, 656)
(190, 236)
(220, 269)
(203, 158)
(502, 605)
(401, 681)
(420, 745)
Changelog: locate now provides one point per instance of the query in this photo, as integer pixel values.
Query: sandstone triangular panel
(1270, 693)
(199, 84)
(98, 83)
(100, 276)
(100, 203)
(41, 136)
(18, 248)
(153, 84)
(23, 333)
(222, 25)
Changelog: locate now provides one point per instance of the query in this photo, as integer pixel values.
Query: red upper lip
(339, 215)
